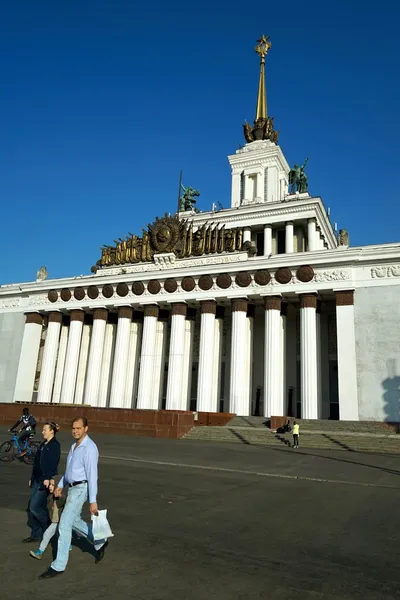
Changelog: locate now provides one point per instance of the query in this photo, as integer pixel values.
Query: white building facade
(287, 320)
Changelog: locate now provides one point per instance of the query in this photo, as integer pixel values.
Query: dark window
(260, 243)
(280, 241)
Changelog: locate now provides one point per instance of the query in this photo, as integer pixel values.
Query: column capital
(344, 297)
(151, 310)
(33, 318)
(179, 308)
(289, 222)
(308, 300)
(239, 305)
(272, 302)
(312, 220)
(55, 317)
(100, 313)
(125, 312)
(208, 306)
(77, 315)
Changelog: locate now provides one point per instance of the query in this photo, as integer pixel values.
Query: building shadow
(391, 395)
(338, 442)
(240, 437)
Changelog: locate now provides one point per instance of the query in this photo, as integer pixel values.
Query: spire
(263, 128)
(262, 49)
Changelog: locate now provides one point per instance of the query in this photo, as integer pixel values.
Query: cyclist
(28, 422)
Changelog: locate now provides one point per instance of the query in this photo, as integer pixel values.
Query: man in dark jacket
(28, 422)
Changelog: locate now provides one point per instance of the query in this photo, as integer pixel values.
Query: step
(317, 425)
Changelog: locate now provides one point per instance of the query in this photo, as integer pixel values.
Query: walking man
(296, 433)
(81, 479)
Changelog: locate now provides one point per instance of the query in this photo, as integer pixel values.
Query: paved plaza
(212, 520)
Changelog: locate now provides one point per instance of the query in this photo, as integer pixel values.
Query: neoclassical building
(259, 308)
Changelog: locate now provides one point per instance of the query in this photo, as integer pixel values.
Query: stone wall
(377, 327)
(11, 332)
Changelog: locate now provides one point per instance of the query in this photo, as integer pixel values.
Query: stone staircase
(354, 436)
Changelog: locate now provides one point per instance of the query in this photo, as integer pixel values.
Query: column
(216, 377)
(83, 359)
(62, 351)
(118, 380)
(283, 336)
(160, 352)
(246, 234)
(132, 375)
(188, 358)
(311, 235)
(282, 184)
(308, 356)
(249, 355)
(208, 309)
(95, 357)
(238, 392)
(267, 240)
(175, 363)
(346, 355)
(289, 238)
(273, 406)
(147, 356)
(107, 360)
(28, 358)
(235, 197)
(72, 357)
(319, 361)
(260, 186)
(49, 357)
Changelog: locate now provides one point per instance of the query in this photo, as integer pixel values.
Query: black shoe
(100, 553)
(30, 540)
(50, 573)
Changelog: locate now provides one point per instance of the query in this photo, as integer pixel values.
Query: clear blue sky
(103, 101)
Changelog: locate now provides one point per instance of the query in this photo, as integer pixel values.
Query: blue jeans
(71, 520)
(38, 515)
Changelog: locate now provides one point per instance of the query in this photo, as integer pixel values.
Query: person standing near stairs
(296, 433)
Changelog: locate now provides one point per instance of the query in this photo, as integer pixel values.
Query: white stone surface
(187, 364)
(146, 373)
(175, 400)
(107, 365)
(71, 362)
(248, 374)
(289, 237)
(239, 401)
(94, 362)
(347, 373)
(132, 375)
(206, 363)
(118, 381)
(62, 351)
(273, 405)
(159, 364)
(308, 363)
(216, 376)
(27, 363)
(47, 372)
(82, 364)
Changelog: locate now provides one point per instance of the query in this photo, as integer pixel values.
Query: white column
(235, 197)
(132, 375)
(188, 360)
(311, 235)
(49, 357)
(246, 234)
(249, 355)
(82, 363)
(346, 355)
(273, 405)
(175, 364)
(282, 184)
(28, 358)
(260, 186)
(145, 389)
(118, 381)
(107, 361)
(267, 240)
(159, 362)
(239, 402)
(284, 307)
(62, 351)
(206, 356)
(289, 239)
(95, 357)
(216, 376)
(319, 361)
(308, 357)
(72, 357)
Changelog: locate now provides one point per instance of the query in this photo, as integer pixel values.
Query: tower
(259, 169)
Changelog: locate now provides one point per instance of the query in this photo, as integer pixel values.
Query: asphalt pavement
(212, 520)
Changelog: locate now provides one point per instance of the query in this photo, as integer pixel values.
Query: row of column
(315, 240)
(82, 363)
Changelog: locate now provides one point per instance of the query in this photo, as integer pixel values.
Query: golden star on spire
(263, 46)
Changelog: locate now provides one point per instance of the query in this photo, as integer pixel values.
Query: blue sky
(103, 102)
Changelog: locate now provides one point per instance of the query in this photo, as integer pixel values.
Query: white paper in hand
(100, 526)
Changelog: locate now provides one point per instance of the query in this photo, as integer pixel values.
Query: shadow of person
(76, 542)
(391, 397)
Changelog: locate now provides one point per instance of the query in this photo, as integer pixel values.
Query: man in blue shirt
(81, 478)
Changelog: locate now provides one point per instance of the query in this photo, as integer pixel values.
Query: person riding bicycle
(28, 429)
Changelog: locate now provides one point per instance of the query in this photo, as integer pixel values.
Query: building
(255, 309)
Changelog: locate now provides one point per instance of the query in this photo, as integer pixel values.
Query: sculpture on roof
(42, 274)
(343, 238)
(188, 199)
(298, 180)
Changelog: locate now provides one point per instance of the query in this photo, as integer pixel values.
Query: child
(296, 433)
(55, 507)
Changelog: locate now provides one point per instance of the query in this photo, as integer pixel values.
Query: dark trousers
(38, 515)
(24, 435)
(295, 440)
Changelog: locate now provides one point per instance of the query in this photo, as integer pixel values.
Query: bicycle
(11, 449)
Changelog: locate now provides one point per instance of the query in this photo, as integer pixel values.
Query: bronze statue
(343, 238)
(187, 200)
(298, 180)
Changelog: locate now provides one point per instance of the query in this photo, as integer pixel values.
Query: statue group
(188, 199)
(298, 180)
